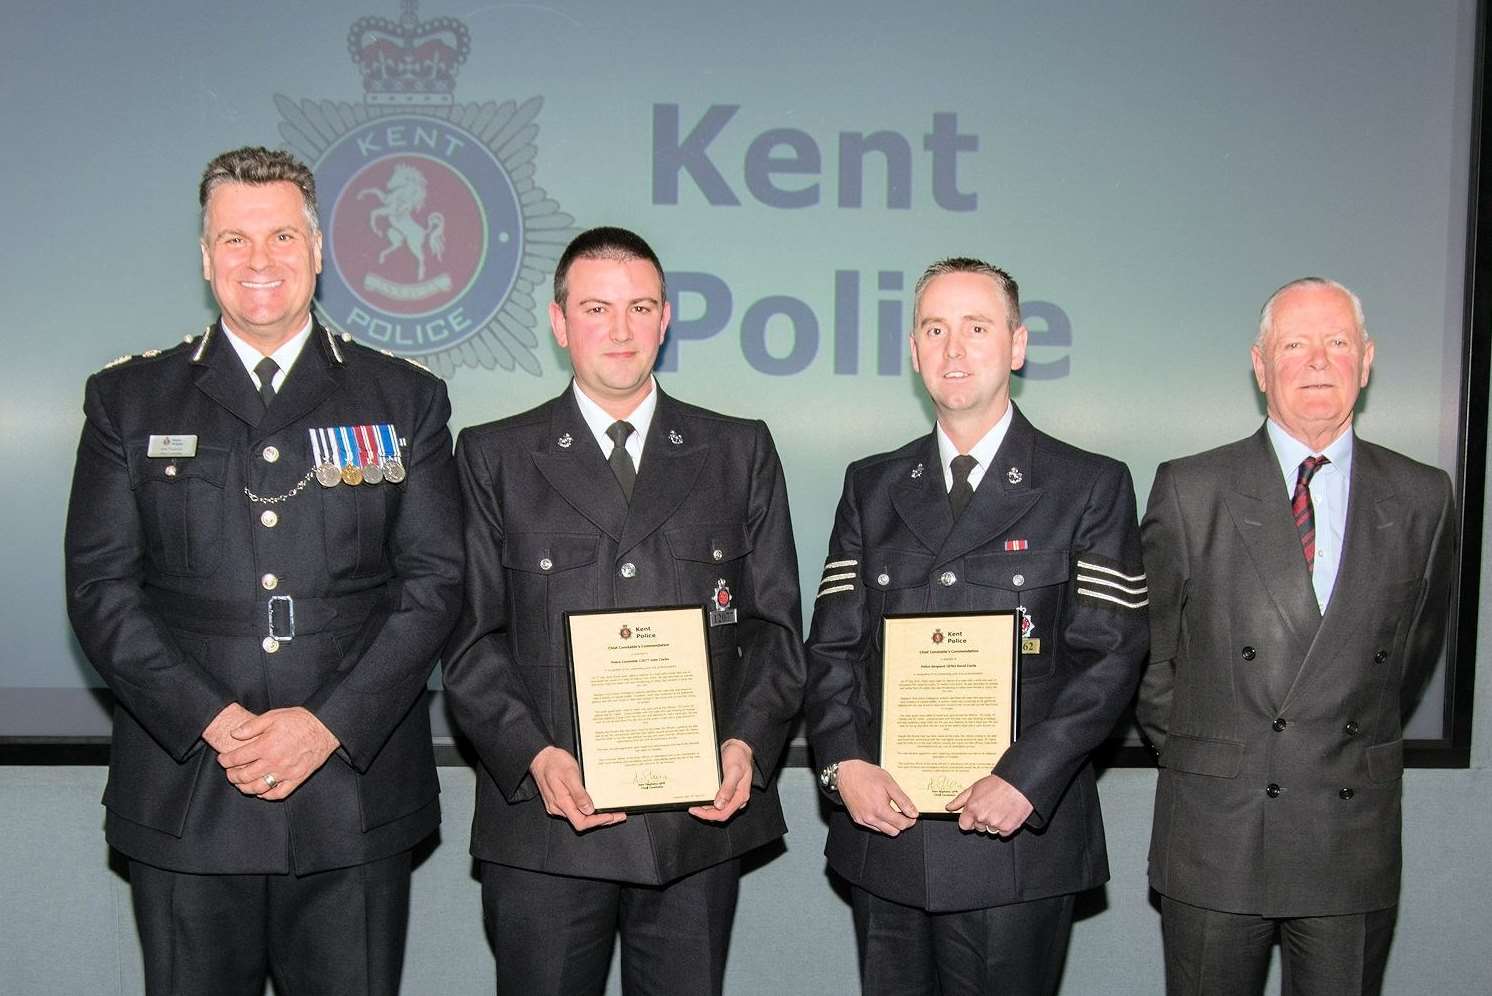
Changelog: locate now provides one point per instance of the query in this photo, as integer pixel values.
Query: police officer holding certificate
(983, 513)
(615, 495)
(263, 557)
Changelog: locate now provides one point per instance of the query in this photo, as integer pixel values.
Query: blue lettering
(804, 328)
(761, 164)
(1057, 333)
(672, 157)
(853, 145)
(714, 315)
(945, 143)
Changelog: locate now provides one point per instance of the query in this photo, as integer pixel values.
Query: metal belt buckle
(287, 617)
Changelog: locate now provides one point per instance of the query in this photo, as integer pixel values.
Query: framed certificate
(950, 701)
(644, 708)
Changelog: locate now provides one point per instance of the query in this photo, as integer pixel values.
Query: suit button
(270, 644)
(1279, 725)
(269, 582)
(1273, 791)
(883, 579)
(947, 579)
(546, 564)
(1018, 580)
(1380, 657)
(1248, 653)
(1346, 793)
(270, 454)
(629, 570)
(269, 518)
(1351, 728)
(717, 554)
(170, 470)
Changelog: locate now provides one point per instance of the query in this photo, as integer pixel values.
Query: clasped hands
(557, 774)
(875, 801)
(288, 745)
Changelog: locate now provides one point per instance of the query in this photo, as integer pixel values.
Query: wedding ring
(271, 781)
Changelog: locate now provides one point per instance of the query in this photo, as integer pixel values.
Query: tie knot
(963, 465)
(619, 431)
(265, 370)
(1308, 468)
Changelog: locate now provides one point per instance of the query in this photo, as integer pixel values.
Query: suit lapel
(921, 498)
(668, 472)
(1261, 513)
(220, 375)
(1372, 507)
(315, 376)
(571, 462)
(1005, 493)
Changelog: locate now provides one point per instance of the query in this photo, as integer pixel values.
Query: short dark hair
(968, 264)
(255, 164)
(605, 242)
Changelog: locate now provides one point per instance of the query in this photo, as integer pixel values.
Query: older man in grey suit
(1298, 587)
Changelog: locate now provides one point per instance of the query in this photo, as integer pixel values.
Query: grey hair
(257, 165)
(1266, 314)
(968, 264)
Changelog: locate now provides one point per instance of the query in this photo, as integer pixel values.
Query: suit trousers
(1014, 950)
(553, 934)
(1227, 954)
(324, 934)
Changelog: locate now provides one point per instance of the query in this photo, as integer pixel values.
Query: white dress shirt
(285, 356)
(1329, 488)
(983, 451)
(599, 421)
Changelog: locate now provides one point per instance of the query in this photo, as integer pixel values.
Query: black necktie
(621, 460)
(265, 370)
(962, 491)
(1304, 510)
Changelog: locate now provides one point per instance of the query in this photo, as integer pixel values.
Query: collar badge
(565, 441)
(1013, 475)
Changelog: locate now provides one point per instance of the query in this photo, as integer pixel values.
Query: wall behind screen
(1149, 175)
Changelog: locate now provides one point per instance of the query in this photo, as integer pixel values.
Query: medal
(393, 472)
(388, 452)
(373, 473)
(325, 468)
(352, 474)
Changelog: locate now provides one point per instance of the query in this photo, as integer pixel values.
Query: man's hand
(735, 783)
(277, 751)
(557, 774)
(219, 733)
(991, 805)
(870, 793)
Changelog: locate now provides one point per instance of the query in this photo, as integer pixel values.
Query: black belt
(283, 617)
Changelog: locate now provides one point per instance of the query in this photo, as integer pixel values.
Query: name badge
(172, 446)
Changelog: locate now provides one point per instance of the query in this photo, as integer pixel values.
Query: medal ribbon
(346, 446)
(364, 435)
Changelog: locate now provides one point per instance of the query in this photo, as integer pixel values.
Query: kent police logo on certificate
(434, 229)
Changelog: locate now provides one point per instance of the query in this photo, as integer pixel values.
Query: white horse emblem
(398, 202)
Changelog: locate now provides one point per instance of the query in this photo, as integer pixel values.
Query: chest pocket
(705, 554)
(895, 581)
(356, 521)
(1035, 581)
(545, 579)
(181, 508)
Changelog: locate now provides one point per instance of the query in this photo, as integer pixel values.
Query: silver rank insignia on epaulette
(839, 575)
(1102, 580)
(118, 360)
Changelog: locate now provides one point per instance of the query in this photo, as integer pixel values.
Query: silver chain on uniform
(284, 497)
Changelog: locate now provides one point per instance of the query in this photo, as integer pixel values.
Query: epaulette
(407, 359)
(144, 355)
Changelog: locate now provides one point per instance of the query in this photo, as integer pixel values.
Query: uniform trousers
(1014, 950)
(324, 934)
(553, 934)
(1227, 954)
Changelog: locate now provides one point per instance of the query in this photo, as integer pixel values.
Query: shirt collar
(284, 357)
(598, 421)
(1290, 452)
(983, 451)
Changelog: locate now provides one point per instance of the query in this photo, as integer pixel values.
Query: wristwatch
(829, 778)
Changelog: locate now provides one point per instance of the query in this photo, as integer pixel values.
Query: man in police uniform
(1301, 578)
(984, 513)
(616, 495)
(263, 556)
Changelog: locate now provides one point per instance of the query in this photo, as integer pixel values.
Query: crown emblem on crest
(409, 62)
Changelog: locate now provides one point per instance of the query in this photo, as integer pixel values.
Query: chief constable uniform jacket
(171, 568)
(548, 531)
(1051, 530)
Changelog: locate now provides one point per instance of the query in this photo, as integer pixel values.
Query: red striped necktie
(1304, 511)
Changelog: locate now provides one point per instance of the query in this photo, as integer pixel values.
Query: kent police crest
(436, 235)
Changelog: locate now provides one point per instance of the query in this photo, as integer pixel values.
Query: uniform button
(1351, 728)
(269, 518)
(546, 564)
(883, 579)
(947, 579)
(1346, 793)
(1248, 653)
(270, 454)
(1018, 580)
(270, 644)
(1273, 791)
(170, 470)
(1279, 725)
(629, 570)
(718, 554)
(1380, 657)
(269, 582)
